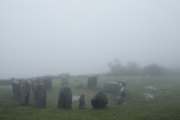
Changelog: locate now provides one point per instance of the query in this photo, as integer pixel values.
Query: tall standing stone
(47, 82)
(25, 92)
(34, 82)
(16, 90)
(65, 98)
(121, 93)
(92, 82)
(39, 95)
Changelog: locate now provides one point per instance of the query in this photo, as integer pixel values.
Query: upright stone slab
(47, 82)
(40, 95)
(17, 90)
(99, 101)
(34, 82)
(121, 93)
(65, 98)
(92, 82)
(25, 92)
(82, 102)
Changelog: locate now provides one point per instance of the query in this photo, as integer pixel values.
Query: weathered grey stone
(20, 81)
(47, 82)
(34, 81)
(119, 100)
(25, 92)
(39, 95)
(16, 90)
(65, 98)
(111, 87)
(121, 93)
(121, 96)
(99, 101)
(92, 82)
(150, 88)
(122, 83)
(148, 97)
(82, 102)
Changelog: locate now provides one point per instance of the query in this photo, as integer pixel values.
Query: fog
(40, 37)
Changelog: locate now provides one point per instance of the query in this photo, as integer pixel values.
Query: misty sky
(39, 37)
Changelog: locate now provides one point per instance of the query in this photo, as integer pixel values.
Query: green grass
(165, 106)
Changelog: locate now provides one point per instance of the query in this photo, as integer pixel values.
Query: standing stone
(40, 95)
(21, 81)
(25, 92)
(65, 98)
(92, 82)
(121, 94)
(47, 82)
(100, 100)
(34, 82)
(17, 90)
(119, 99)
(82, 102)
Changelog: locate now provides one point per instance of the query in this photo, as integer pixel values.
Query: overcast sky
(39, 37)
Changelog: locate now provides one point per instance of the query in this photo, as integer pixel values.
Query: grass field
(165, 106)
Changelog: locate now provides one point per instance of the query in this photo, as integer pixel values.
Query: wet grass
(165, 106)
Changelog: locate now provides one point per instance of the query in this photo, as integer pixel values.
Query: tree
(116, 68)
(133, 69)
(156, 70)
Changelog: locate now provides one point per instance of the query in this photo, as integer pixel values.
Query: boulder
(99, 101)
(148, 97)
(150, 88)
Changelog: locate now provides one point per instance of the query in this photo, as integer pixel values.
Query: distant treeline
(133, 69)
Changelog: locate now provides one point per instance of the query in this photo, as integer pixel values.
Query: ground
(165, 106)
